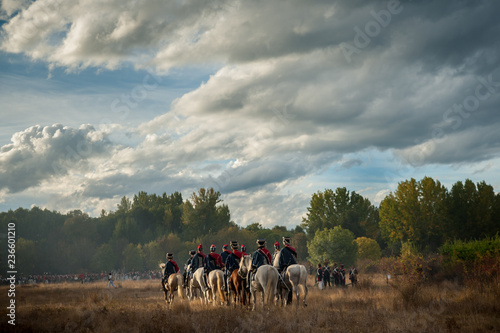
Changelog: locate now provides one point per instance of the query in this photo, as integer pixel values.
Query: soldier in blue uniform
(260, 257)
(187, 267)
(225, 253)
(288, 255)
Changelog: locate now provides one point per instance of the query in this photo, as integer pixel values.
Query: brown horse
(173, 284)
(237, 287)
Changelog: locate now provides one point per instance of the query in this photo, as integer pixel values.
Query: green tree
(300, 244)
(473, 211)
(368, 249)
(335, 244)
(133, 258)
(202, 215)
(341, 208)
(416, 213)
(105, 259)
(153, 255)
(26, 255)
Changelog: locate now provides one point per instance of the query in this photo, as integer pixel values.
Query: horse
(291, 281)
(296, 283)
(174, 283)
(196, 283)
(237, 286)
(215, 282)
(265, 281)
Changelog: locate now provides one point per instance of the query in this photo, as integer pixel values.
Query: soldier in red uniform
(214, 259)
(243, 250)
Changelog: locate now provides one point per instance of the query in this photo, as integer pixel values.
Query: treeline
(421, 214)
(135, 237)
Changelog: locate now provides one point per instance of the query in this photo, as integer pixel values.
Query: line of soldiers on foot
(229, 259)
(336, 276)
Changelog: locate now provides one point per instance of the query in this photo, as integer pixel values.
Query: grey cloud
(351, 163)
(471, 145)
(43, 153)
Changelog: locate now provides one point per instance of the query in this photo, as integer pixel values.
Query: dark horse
(237, 285)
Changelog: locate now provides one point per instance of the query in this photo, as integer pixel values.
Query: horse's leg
(253, 293)
(305, 294)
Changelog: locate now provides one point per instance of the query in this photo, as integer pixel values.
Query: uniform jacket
(259, 258)
(288, 256)
(214, 261)
(224, 254)
(198, 261)
(170, 268)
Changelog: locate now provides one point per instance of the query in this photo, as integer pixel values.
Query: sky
(268, 102)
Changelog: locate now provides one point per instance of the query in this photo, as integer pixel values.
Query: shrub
(473, 261)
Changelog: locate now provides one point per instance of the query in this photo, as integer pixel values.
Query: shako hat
(170, 256)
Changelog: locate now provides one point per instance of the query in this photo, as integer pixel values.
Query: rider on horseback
(225, 253)
(233, 259)
(198, 260)
(187, 266)
(288, 255)
(260, 257)
(170, 268)
(214, 260)
(243, 250)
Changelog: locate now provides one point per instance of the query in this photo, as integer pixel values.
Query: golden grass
(375, 306)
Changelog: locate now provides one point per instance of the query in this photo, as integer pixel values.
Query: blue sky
(267, 102)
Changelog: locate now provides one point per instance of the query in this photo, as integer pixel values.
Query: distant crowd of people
(82, 277)
(334, 276)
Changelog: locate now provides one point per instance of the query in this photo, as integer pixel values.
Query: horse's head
(245, 264)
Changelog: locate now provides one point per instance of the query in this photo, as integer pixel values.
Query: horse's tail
(272, 282)
(303, 278)
(220, 287)
(180, 288)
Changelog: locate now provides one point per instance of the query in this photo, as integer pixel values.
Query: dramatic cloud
(300, 91)
(42, 153)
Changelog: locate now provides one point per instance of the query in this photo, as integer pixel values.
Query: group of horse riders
(337, 274)
(229, 260)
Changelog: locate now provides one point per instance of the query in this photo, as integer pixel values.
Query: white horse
(266, 281)
(215, 282)
(198, 283)
(295, 281)
(296, 277)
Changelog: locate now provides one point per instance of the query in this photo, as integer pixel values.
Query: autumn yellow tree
(416, 213)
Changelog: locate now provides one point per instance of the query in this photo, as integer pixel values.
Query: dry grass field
(373, 306)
